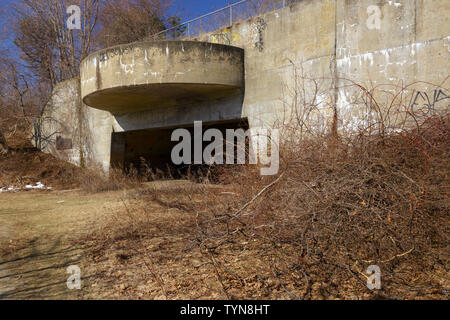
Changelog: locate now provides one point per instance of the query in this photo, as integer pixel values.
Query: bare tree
(21, 114)
(125, 21)
(50, 53)
(51, 50)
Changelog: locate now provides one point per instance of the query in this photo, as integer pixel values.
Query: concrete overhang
(142, 75)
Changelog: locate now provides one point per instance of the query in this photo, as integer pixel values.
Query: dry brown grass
(340, 203)
(337, 208)
(374, 196)
(94, 180)
(28, 166)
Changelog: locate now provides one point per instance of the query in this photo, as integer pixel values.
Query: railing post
(230, 6)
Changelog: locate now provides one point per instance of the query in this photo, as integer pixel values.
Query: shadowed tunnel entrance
(151, 148)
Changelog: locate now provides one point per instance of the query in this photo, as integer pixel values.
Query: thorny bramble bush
(374, 193)
(377, 195)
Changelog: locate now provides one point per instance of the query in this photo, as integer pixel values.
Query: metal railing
(224, 17)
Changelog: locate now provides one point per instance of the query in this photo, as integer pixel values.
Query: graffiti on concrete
(110, 53)
(221, 37)
(427, 104)
(258, 27)
(224, 37)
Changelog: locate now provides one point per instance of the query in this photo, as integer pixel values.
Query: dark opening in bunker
(152, 148)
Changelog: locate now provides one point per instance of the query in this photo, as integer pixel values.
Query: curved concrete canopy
(142, 75)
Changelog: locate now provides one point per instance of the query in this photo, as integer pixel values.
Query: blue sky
(186, 9)
(190, 9)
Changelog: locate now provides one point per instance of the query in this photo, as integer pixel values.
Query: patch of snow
(38, 185)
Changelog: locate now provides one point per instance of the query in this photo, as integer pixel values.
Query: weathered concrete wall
(61, 122)
(412, 44)
(310, 51)
(98, 127)
(143, 75)
(85, 132)
(334, 41)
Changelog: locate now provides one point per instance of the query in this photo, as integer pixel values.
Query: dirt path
(43, 232)
(35, 247)
(141, 245)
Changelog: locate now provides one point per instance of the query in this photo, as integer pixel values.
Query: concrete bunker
(144, 75)
(151, 148)
(183, 79)
(174, 83)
